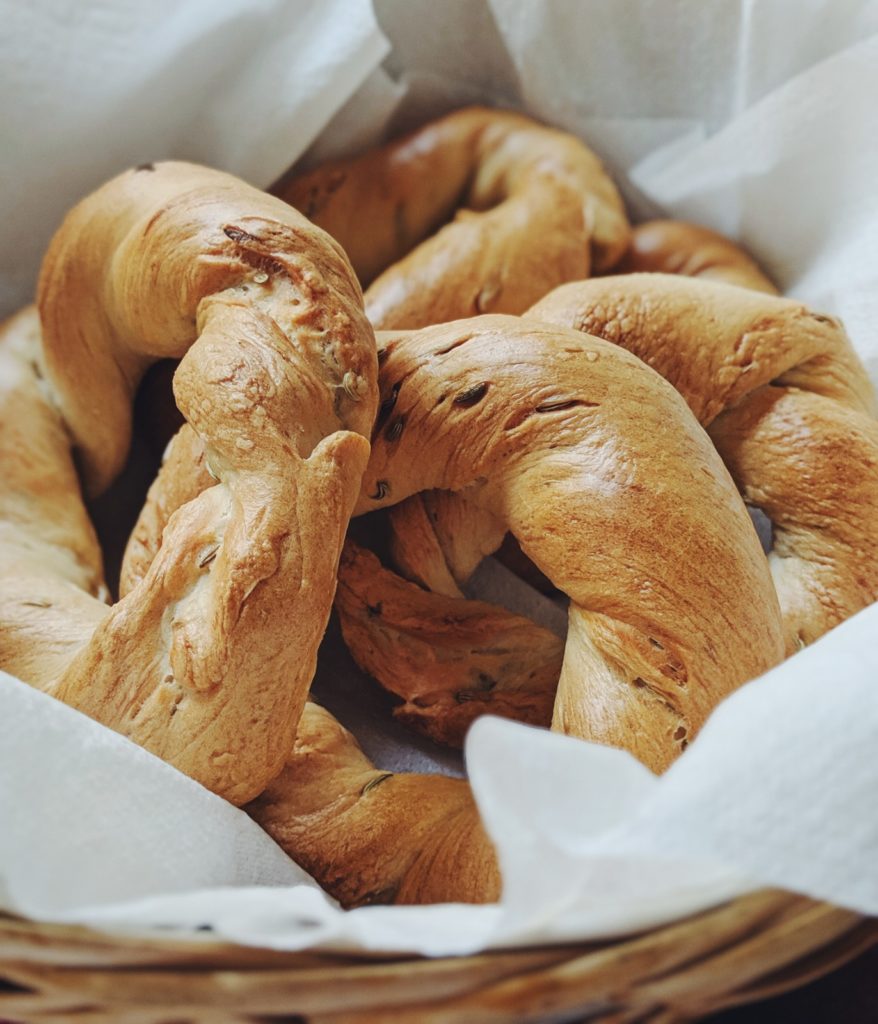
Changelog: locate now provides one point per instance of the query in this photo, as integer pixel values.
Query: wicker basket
(749, 949)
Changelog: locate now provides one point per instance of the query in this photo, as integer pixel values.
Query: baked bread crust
(785, 400)
(789, 407)
(534, 208)
(208, 660)
(371, 836)
(597, 467)
(366, 835)
(677, 247)
(448, 658)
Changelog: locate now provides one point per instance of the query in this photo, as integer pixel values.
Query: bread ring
(720, 348)
(217, 644)
(510, 409)
(531, 200)
(675, 247)
(789, 407)
(597, 468)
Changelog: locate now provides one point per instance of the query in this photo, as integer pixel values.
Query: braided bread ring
(776, 442)
(584, 454)
(535, 200)
(796, 430)
(207, 662)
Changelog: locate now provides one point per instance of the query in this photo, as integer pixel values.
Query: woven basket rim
(203, 943)
(745, 949)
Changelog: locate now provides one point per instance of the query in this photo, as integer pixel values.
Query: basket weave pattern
(746, 950)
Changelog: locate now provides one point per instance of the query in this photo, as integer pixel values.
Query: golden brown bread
(448, 658)
(370, 836)
(137, 262)
(797, 434)
(52, 590)
(183, 476)
(714, 342)
(534, 209)
(597, 467)
(216, 645)
(789, 407)
(808, 463)
(676, 247)
(364, 834)
(437, 538)
(207, 658)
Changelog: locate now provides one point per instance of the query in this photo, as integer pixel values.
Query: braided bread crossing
(598, 469)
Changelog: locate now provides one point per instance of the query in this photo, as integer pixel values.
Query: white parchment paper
(758, 118)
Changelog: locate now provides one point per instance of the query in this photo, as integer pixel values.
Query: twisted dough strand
(52, 588)
(366, 835)
(796, 452)
(207, 661)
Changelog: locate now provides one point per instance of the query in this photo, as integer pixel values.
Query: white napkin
(765, 118)
(99, 819)
(90, 88)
